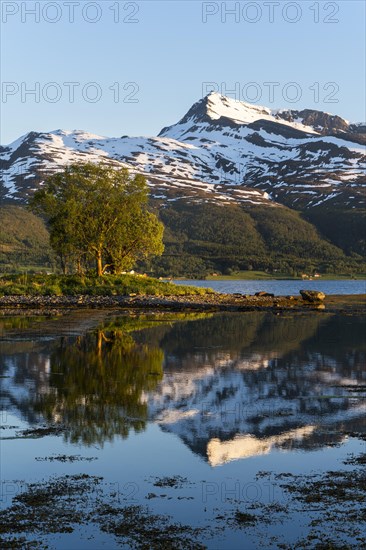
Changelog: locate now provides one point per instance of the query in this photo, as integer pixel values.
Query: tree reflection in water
(97, 385)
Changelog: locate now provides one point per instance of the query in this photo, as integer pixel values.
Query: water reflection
(98, 384)
(230, 386)
(263, 382)
(93, 384)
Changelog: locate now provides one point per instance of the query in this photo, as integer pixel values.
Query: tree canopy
(99, 212)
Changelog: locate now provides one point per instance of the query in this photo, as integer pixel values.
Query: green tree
(97, 211)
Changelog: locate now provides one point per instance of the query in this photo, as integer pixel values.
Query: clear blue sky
(169, 52)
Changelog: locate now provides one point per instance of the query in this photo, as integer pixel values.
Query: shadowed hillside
(24, 240)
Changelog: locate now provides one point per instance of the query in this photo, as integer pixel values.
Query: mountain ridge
(221, 150)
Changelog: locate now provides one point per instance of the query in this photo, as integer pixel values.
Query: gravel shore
(209, 302)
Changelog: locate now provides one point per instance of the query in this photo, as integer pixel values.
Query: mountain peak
(216, 111)
(215, 106)
(239, 111)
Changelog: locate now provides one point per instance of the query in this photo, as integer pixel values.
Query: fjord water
(221, 402)
(282, 287)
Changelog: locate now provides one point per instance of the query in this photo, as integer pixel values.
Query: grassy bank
(110, 285)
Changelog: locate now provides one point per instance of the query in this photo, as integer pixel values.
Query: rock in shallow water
(312, 295)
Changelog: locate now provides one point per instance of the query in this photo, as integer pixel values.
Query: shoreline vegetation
(91, 285)
(50, 293)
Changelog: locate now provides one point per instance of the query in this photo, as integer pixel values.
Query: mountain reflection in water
(231, 386)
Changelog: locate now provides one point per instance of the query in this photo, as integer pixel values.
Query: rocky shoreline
(16, 305)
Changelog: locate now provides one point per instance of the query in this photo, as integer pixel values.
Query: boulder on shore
(312, 295)
(264, 294)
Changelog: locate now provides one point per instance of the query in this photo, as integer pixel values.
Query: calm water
(227, 402)
(282, 288)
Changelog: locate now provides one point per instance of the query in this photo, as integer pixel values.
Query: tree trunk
(63, 264)
(99, 263)
(78, 266)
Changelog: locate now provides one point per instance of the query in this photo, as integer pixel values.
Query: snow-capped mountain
(222, 150)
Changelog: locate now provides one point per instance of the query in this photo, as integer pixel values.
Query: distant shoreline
(270, 278)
